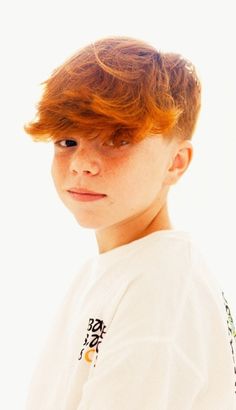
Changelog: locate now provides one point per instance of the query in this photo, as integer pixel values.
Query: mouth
(84, 191)
(85, 196)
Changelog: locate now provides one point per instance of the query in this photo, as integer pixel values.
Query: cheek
(130, 179)
(57, 171)
(143, 179)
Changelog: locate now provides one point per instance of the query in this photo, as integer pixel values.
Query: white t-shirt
(144, 326)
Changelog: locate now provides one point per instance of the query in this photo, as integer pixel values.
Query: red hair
(122, 86)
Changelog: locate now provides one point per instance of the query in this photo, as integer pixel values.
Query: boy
(144, 324)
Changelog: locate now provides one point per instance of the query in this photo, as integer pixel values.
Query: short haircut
(121, 87)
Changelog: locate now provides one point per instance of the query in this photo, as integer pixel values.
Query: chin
(89, 223)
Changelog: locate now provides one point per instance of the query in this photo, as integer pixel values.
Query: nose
(84, 161)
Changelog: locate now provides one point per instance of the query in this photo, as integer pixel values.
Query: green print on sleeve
(232, 334)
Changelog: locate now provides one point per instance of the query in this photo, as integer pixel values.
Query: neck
(133, 228)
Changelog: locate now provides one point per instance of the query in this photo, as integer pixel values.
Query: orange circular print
(87, 358)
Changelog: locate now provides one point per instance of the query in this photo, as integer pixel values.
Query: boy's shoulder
(165, 248)
(172, 261)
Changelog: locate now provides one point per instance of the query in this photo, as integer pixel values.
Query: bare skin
(135, 178)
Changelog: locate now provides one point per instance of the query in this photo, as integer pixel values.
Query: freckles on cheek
(113, 167)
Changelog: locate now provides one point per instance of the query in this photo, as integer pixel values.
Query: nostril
(76, 170)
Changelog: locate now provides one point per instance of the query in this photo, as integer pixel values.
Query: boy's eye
(111, 143)
(65, 143)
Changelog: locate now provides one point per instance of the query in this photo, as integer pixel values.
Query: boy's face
(133, 177)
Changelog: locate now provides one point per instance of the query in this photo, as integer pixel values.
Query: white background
(42, 247)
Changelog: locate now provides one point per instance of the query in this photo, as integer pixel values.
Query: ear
(180, 160)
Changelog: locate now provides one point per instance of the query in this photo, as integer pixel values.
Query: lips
(84, 191)
(82, 196)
